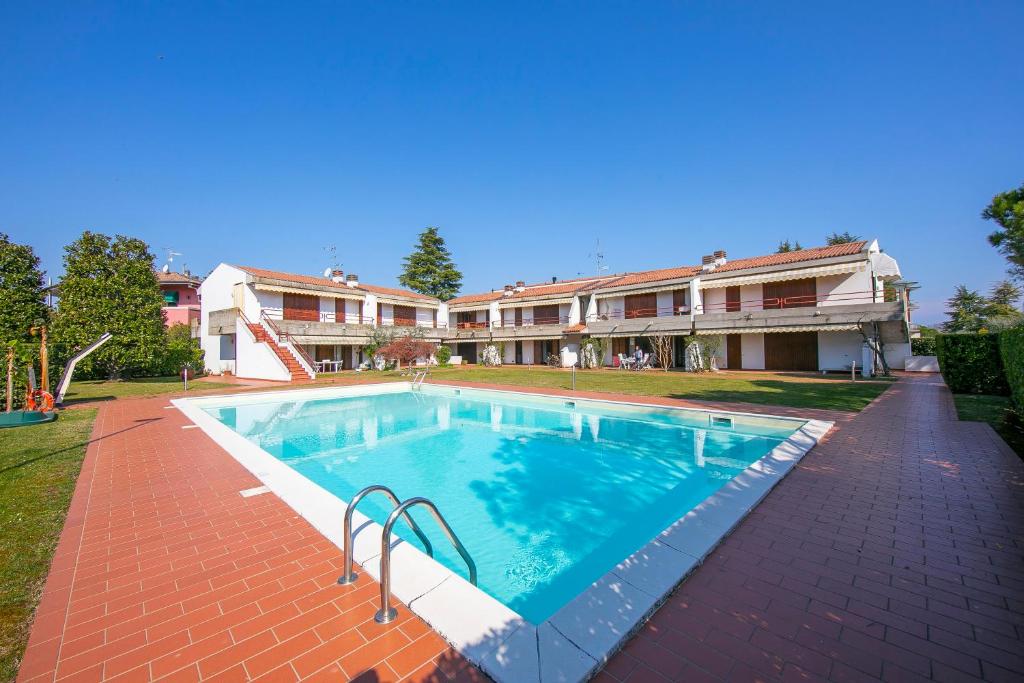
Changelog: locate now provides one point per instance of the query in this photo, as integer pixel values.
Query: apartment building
(809, 310)
(266, 324)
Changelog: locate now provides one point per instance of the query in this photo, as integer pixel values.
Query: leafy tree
(429, 269)
(182, 351)
(21, 291)
(785, 247)
(1007, 211)
(965, 310)
(841, 238)
(109, 286)
(407, 349)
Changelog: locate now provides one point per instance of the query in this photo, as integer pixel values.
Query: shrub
(181, 351)
(971, 364)
(443, 355)
(1011, 349)
(923, 346)
(406, 350)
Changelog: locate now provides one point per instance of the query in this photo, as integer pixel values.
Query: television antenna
(170, 258)
(598, 256)
(332, 255)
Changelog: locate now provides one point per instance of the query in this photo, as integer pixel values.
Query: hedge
(1011, 348)
(923, 346)
(971, 363)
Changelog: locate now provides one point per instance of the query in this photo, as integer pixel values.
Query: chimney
(554, 279)
(352, 280)
(338, 275)
(520, 285)
(508, 290)
(707, 263)
(720, 257)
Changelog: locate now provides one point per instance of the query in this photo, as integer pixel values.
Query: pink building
(181, 299)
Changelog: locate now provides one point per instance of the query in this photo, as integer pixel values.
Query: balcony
(538, 327)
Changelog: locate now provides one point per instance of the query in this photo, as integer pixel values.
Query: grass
(794, 390)
(38, 469)
(107, 390)
(998, 412)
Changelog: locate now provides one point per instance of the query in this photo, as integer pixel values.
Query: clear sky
(259, 133)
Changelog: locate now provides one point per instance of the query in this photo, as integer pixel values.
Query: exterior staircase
(295, 369)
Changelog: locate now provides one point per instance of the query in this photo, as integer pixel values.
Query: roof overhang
(645, 288)
(265, 286)
(849, 327)
(406, 301)
(517, 303)
(475, 306)
(788, 274)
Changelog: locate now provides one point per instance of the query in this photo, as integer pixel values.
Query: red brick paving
(892, 552)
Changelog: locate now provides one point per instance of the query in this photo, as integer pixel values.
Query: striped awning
(398, 301)
(327, 339)
(331, 294)
(653, 289)
(535, 302)
(846, 327)
(779, 275)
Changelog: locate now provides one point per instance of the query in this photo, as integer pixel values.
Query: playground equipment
(69, 369)
(39, 402)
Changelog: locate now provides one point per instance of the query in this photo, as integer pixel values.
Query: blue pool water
(546, 495)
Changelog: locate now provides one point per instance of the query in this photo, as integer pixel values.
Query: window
(171, 297)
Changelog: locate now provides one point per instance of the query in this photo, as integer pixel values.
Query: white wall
(216, 293)
(510, 353)
(527, 352)
(843, 288)
(664, 303)
(564, 311)
(896, 355)
(836, 350)
(611, 305)
(751, 297)
(424, 317)
(714, 300)
(752, 348)
(256, 360)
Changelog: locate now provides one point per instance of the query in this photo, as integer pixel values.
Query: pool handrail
(386, 614)
(350, 576)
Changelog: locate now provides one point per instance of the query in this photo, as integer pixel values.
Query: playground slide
(69, 369)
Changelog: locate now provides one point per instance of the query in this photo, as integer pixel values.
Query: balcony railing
(536, 320)
(632, 313)
(796, 301)
(474, 325)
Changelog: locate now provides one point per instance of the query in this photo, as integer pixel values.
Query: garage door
(791, 351)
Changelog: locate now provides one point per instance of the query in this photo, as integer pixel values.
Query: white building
(265, 324)
(813, 309)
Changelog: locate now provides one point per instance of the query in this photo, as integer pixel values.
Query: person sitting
(638, 356)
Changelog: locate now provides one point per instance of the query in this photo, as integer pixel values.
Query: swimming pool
(550, 496)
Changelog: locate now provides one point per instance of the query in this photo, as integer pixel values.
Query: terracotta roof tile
(810, 254)
(578, 327)
(177, 278)
(330, 284)
(475, 298)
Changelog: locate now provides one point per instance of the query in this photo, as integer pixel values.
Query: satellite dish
(166, 268)
(327, 272)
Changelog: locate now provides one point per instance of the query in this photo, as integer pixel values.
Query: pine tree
(965, 310)
(109, 286)
(841, 238)
(429, 269)
(785, 247)
(1007, 211)
(1002, 302)
(21, 291)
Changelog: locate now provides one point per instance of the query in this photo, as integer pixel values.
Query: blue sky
(260, 133)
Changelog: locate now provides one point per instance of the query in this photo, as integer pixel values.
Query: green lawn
(833, 392)
(38, 469)
(998, 412)
(105, 390)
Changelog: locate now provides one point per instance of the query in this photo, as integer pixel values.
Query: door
(301, 307)
(733, 351)
(405, 316)
(679, 350)
(678, 301)
(790, 294)
(732, 301)
(641, 306)
(339, 310)
(791, 351)
(468, 351)
(519, 317)
(519, 352)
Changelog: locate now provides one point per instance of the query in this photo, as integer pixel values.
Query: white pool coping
(577, 640)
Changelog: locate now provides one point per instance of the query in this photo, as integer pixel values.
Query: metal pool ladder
(417, 380)
(386, 614)
(350, 576)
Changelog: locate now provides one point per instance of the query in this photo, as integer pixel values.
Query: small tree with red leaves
(407, 349)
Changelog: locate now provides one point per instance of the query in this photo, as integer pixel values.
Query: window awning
(781, 328)
(779, 275)
(354, 296)
(328, 339)
(460, 308)
(416, 303)
(535, 302)
(644, 290)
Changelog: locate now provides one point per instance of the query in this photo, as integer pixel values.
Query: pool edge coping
(580, 637)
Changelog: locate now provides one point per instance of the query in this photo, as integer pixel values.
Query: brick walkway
(892, 552)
